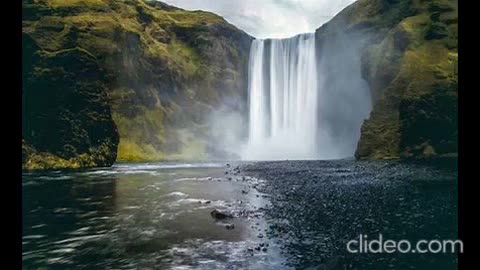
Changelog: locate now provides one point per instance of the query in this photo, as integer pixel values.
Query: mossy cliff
(66, 116)
(140, 74)
(408, 56)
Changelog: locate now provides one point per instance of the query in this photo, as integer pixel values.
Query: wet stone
(220, 215)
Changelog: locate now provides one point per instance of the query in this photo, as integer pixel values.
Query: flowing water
(286, 215)
(142, 216)
(306, 100)
(283, 99)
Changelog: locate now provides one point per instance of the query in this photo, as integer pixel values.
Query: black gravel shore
(316, 207)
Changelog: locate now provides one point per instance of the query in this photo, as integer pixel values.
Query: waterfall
(305, 102)
(283, 99)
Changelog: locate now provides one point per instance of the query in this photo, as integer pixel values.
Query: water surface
(287, 215)
(149, 216)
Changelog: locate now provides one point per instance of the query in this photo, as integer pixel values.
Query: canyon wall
(125, 80)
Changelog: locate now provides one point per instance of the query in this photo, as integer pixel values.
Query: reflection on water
(148, 216)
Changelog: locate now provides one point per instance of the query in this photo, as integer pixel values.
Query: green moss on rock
(154, 69)
(409, 59)
(66, 115)
(412, 73)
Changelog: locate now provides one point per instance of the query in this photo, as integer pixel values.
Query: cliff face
(144, 77)
(140, 74)
(408, 56)
(67, 120)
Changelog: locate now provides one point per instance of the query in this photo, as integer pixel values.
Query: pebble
(302, 195)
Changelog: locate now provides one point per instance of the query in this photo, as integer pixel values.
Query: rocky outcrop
(67, 121)
(408, 56)
(142, 75)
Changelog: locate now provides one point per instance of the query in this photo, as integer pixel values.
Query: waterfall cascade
(302, 107)
(283, 99)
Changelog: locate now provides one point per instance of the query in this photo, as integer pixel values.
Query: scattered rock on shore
(220, 215)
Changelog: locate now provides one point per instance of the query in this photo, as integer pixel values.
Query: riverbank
(318, 206)
(284, 215)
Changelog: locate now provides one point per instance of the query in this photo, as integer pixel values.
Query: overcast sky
(270, 18)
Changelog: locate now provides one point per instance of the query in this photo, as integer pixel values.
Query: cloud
(270, 18)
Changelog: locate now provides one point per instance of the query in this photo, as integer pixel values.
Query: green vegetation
(157, 68)
(141, 77)
(412, 72)
(409, 59)
(94, 157)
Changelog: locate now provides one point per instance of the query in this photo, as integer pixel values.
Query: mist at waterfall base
(306, 101)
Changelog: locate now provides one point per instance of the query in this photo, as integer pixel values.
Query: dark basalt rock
(436, 30)
(220, 215)
(348, 198)
(66, 111)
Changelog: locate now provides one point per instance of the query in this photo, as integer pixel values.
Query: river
(286, 215)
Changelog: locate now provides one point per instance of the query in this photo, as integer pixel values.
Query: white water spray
(283, 99)
(306, 101)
